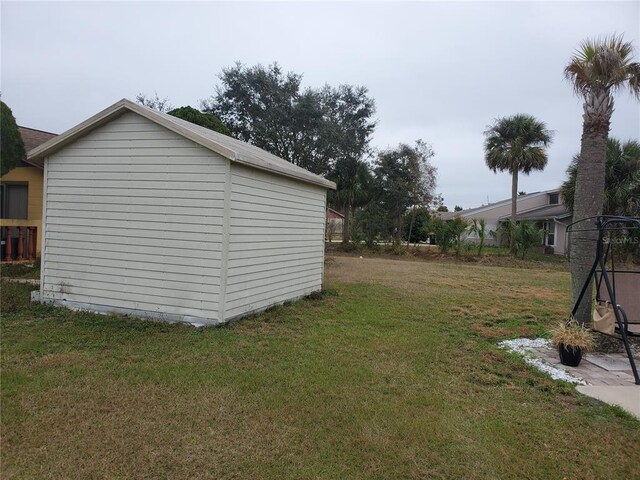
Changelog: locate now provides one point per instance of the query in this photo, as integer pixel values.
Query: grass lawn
(394, 374)
(21, 269)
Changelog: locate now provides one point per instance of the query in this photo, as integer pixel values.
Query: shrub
(449, 233)
(444, 235)
(396, 249)
(526, 235)
(348, 247)
(371, 223)
(479, 227)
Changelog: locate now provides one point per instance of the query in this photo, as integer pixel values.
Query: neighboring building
(544, 208)
(21, 199)
(335, 225)
(150, 215)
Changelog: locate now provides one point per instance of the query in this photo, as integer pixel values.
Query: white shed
(150, 215)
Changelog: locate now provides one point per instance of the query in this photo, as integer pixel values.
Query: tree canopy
(12, 147)
(190, 114)
(206, 120)
(312, 128)
(517, 144)
(162, 105)
(404, 178)
(601, 67)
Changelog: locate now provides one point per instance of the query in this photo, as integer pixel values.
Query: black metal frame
(603, 225)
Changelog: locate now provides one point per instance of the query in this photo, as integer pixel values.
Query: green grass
(396, 374)
(20, 269)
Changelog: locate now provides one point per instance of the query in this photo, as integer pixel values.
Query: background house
(151, 215)
(545, 208)
(335, 225)
(21, 199)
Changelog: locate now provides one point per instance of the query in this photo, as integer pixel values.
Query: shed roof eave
(110, 113)
(322, 182)
(38, 154)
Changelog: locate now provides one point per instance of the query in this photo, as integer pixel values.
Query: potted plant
(572, 340)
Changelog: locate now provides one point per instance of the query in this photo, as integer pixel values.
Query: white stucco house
(150, 215)
(544, 208)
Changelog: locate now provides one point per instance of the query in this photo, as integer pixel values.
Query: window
(13, 201)
(554, 198)
(549, 233)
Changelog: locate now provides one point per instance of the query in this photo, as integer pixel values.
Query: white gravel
(523, 347)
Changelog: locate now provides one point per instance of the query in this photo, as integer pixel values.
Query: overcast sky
(439, 71)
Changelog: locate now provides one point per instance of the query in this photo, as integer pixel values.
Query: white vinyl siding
(276, 240)
(134, 221)
(142, 220)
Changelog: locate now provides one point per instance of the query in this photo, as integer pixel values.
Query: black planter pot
(569, 356)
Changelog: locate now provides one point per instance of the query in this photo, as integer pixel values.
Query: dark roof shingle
(33, 138)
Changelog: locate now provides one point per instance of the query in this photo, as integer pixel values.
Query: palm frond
(517, 143)
(634, 79)
(603, 64)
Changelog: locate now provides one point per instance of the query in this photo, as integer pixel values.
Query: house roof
(235, 150)
(33, 138)
(543, 213)
(334, 213)
(483, 208)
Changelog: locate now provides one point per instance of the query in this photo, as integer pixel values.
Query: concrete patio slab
(608, 375)
(626, 397)
(604, 376)
(595, 369)
(612, 363)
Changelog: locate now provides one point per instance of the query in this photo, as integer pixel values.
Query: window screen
(13, 201)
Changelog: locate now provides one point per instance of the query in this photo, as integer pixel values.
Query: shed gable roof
(231, 148)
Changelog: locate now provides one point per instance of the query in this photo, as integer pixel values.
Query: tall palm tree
(598, 69)
(516, 144)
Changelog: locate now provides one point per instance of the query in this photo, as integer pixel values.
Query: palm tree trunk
(346, 225)
(396, 234)
(413, 216)
(588, 201)
(514, 207)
